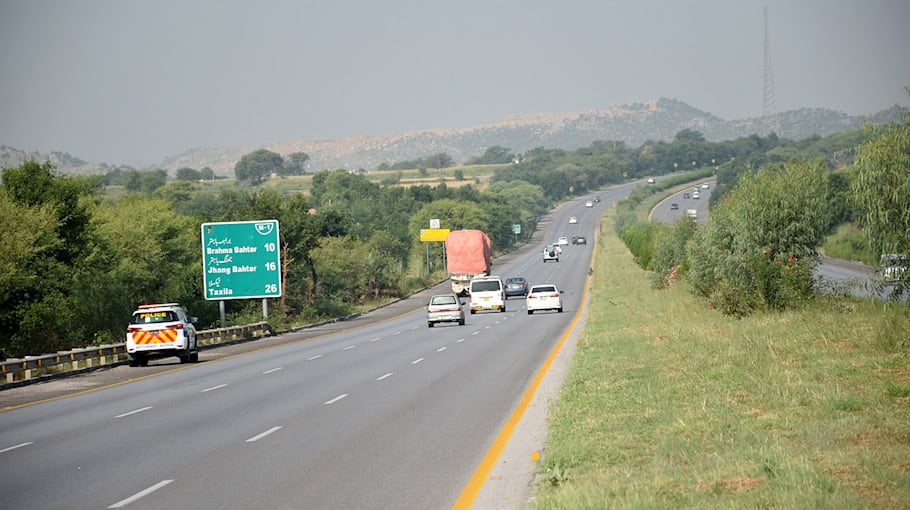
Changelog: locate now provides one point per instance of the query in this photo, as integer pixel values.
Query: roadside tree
(258, 166)
(881, 190)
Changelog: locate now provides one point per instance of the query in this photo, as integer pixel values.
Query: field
(478, 175)
(670, 404)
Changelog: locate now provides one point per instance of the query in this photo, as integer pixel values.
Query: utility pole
(768, 105)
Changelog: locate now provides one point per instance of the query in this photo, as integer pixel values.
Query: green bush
(758, 251)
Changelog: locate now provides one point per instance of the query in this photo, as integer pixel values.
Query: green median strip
(670, 404)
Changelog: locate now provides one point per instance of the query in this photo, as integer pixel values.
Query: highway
(831, 274)
(390, 414)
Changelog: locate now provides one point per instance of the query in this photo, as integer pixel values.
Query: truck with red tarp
(468, 255)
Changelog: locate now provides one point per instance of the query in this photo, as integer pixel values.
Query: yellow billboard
(430, 235)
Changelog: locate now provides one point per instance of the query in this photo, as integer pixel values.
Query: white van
(487, 293)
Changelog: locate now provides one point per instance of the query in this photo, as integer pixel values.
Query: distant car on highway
(597, 198)
(589, 204)
(444, 308)
(705, 186)
(573, 220)
(563, 241)
(516, 286)
(674, 206)
(551, 252)
(893, 266)
(695, 195)
(651, 180)
(544, 297)
(579, 240)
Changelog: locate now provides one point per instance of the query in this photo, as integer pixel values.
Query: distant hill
(632, 124)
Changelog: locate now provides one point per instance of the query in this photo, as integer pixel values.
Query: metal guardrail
(32, 367)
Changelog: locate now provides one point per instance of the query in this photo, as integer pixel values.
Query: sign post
(241, 260)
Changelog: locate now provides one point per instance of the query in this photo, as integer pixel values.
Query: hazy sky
(123, 81)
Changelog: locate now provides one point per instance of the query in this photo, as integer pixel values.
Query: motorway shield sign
(241, 260)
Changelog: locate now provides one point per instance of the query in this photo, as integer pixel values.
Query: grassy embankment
(672, 405)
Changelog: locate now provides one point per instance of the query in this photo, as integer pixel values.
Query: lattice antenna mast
(768, 105)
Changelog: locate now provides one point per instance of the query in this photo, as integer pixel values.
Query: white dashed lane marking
(441, 349)
(311, 358)
(213, 388)
(140, 494)
(349, 347)
(336, 399)
(272, 370)
(416, 361)
(386, 376)
(133, 412)
(20, 445)
(260, 436)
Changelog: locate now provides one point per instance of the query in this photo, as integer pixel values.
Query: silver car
(444, 308)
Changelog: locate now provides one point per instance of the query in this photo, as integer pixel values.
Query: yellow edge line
(479, 478)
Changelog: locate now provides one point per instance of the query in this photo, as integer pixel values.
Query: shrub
(759, 249)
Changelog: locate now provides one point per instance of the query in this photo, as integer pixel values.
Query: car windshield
(154, 317)
(443, 300)
(485, 286)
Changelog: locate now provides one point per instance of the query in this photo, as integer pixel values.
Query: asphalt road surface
(379, 412)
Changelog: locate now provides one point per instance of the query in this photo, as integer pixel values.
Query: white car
(705, 186)
(589, 204)
(563, 241)
(651, 180)
(487, 293)
(573, 220)
(544, 297)
(551, 252)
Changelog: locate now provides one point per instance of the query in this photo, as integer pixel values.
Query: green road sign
(241, 260)
(516, 229)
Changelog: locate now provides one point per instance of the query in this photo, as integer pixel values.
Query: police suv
(161, 331)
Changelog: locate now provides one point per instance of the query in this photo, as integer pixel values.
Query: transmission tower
(768, 106)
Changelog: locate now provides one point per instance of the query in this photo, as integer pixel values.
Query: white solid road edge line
(20, 445)
(133, 412)
(260, 436)
(140, 494)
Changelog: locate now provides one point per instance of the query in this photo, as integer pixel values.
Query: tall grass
(670, 404)
(848, 243)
